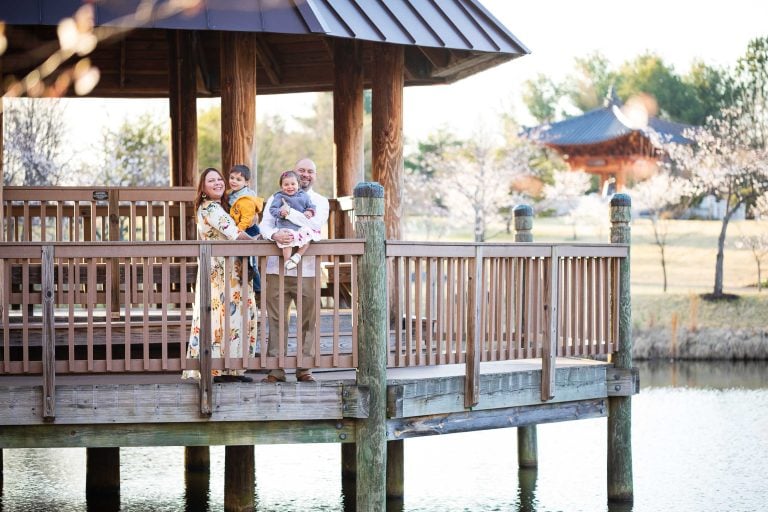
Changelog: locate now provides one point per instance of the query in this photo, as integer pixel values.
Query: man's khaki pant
(308, 314)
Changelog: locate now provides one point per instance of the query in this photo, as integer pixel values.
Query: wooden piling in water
(239, 478)
(619, 467)
(395, 470)
(102, 471)
(197, 459)
(371, 434)
(527, 449)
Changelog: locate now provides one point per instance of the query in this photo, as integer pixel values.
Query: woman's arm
(220, 220)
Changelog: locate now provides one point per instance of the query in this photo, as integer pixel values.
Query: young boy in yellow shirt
(245, 207)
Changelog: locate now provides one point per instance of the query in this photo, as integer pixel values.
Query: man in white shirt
(307, 172)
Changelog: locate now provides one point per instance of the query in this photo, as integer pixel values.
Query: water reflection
(704, 374)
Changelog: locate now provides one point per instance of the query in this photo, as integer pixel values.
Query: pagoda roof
(604, 124)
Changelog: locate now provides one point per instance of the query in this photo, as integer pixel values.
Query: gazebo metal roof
(445, 39)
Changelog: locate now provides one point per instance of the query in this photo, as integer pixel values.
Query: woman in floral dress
(214, 223)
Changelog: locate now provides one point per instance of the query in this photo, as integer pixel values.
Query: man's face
(307, 174)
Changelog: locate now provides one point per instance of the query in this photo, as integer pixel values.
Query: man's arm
(320, 218)
(267, 225)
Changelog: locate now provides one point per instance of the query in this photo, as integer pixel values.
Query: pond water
(700, 443)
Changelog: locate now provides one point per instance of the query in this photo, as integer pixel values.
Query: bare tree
(134, 154)
(724, 162)
(478, 174)
(758, 245)
(33, 133)
(661, 197)
(564, 195)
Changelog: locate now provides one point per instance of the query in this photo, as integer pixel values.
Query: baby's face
(236, 181)
(289, 185)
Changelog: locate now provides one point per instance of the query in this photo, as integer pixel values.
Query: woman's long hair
(201, 183)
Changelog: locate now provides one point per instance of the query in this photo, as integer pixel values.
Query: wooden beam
(469, 421)
(387, 133)
(623, 381)
(238, 99)
(179, 434)
(428, 397)
(268, 61)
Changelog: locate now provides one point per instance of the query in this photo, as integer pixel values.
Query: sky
(556, 32)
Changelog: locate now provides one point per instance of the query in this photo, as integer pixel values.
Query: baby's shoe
(293, 262)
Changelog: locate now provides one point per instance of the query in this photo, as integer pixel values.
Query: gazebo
(237, 49)
(615, 142)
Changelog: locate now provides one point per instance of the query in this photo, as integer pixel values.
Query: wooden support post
(48, 336)
(387, 131)
(239, 478)
(527, 448)
(474, 331)
(347, 121)
(197, 469)
(114, 236)
(182, 86)
(395, 470)
(371, 433)
(197, 459)
(204, 294)
(102, 471)
(349, 475)
(620, 487)
(549, 352)
(238, 98)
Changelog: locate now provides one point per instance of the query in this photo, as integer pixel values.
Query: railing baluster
(474, 331)
(48, 334)
(204, 294)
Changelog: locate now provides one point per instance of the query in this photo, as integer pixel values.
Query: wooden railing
(77, 214)
(432, 291)
(126, 307)
(120, 307)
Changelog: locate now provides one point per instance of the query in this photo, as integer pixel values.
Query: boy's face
(236, 181)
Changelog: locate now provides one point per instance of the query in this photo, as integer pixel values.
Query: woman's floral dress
(213, 223)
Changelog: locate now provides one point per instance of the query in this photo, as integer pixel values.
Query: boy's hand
(309, 214)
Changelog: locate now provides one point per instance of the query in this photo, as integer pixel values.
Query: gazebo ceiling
(444, 40)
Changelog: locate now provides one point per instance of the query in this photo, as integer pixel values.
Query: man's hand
(283, 236)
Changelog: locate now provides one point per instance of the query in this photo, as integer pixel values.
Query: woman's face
(213, 185)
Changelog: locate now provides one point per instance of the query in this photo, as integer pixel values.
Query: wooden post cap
(369, 199)
(369, 189)
(621, 200)
(523, 210)
(523, 223)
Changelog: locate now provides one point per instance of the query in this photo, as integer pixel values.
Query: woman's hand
(242, 235)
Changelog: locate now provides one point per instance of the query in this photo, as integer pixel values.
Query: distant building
(616, 142)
